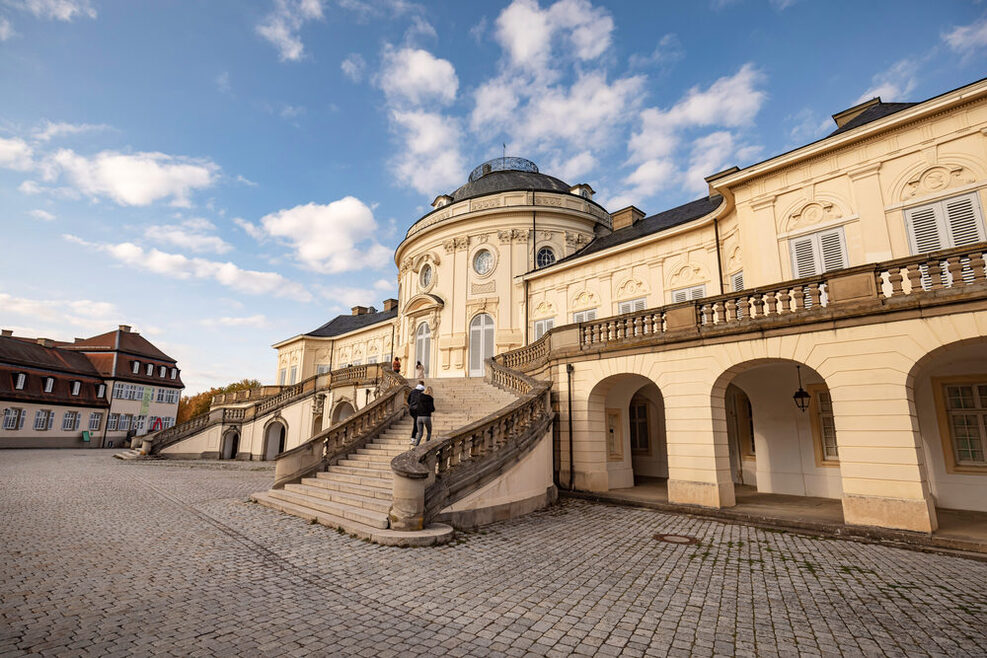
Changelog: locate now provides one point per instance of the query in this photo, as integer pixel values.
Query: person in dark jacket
(414, 404)
(426, 407)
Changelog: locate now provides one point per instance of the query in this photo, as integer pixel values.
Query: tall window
(95, 419)
(631, 306)
(20, 380)
(281, 376)
(150, 369)
(737, 281)
(49, 384)
(818, 253)
(542, 327)
(101, 391)
(584, 316)
(162, 370)
(70, 421)
(545, 257)
(44, 419)
(954, 222)
(640, 441)
(76, 387)
(174, 373)
(13, 418)
(294, 374)
(823, 424)
(966, 411)
(162, 392)
(135, 367)
(687, 294)
(124, 423)
(112, 421)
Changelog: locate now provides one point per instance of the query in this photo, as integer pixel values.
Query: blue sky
(223, 175)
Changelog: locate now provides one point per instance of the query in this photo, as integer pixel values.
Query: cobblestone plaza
(107, 558)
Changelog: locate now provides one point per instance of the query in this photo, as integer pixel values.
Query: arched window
(483, 262)
(425, 276)
(545, 257)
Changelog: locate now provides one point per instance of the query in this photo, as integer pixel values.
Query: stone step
(366, 517)
(363, 469)
(389, 450)
(380, 489)
(272, 500)
(353, 500)
(371, 458)
(361, 478)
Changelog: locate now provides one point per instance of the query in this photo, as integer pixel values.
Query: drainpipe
(569, 368)
(526, 323)
(716, 236)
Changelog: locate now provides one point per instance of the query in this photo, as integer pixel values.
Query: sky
(224, 175)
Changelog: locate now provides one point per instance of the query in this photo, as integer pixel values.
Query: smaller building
(93, 392)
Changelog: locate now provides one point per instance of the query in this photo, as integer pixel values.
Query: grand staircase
(355, 494)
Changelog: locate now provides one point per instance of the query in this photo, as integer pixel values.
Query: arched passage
(231, 444)
(774, 446)
(627, 420)
(481, 343)
(342, 411)
(948, 391)
(274, 439)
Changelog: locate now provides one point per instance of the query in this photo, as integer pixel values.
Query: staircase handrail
(458, 463)
(344, 437)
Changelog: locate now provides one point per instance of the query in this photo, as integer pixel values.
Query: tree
(191, 406)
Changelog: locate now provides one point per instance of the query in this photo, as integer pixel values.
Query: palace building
(815, 326)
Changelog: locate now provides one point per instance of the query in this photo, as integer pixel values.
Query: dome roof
(506, 174)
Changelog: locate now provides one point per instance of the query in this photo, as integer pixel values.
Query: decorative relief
(546, 235)
(450, 246)
(813, 212)
(548, 201)
(513, 235)
(575, 240)
(735, 259)
(685, 274)
(544, 309)
(479, 239)
(462, 243)
(935, 179)
(485, 305)
(483, 288)
(321, 354)
(484, 204)
(584, 299)
(631, 288)
(405, 265)
(504, 236)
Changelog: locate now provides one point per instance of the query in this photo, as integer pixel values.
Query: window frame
(149, 370)
(816, 420)
(818, 252)
(738, 275)
(112, 421)
(636, 305)
(945, 235)
(953, 465)
(542, 327)
(588, 315)
(18, 415)
(538, 257)
(96, 416)
(689, 293)
(174, 373)
(20, 381)
(49, 385)
(135, 367)
(75, 388)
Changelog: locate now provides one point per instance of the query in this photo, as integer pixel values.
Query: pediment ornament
(936, 178)
(544, 309)
(631, 288)
(813, 212)
(686, 274)
(584, 299)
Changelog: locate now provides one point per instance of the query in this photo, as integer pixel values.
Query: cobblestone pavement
(110, 558)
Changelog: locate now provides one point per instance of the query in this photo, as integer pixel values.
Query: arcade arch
(231, 444)
(343, 410)
(274, 439)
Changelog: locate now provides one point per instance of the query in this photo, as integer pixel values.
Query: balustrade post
(815, 295)
(758, 303)
(731, 307)
(798, 298)
(955, 267)
(914, 272)
(784, 301)
(977, 265)
(771, 303)
(895, 278)
(718, 312)
(935, 274)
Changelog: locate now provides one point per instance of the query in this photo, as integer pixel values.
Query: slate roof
(129, 342)
(504, 181)
(342, 324)
(872, 113)
(18, 355)
(132, 347)
(16, 351)
(649, 225)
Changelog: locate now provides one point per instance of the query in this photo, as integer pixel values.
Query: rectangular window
(321, 369)
(542, 327)
(76, 387)
(688, 294)
(20, 380)
(49, 384)
(70, 421)
(44, 419)
(150, 369)
(584, 316)
(631, 306)
(966, 410)
(162, 394)
(117, 391)
(139, 423)
(95, 420)
(13, 418)
(640, 441)
(818, 253)
(101, 391)
(954, 222)
(737, 281)
(111, 422)
(135, 367)
(124, 422)
(162, 371)
(294, 374)
(281, 376)
(823, 424)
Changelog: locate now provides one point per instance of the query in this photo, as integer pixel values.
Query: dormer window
(136, 367)
(49, 384)
(150, 369)
(174, 373)
(441, 200)
(101, 391)
(20, 381)
(76, 387)
(161, 371)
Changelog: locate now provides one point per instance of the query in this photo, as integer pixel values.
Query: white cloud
(61, 10)
(191, 234)
(51, 130)
(137, 179)
(526, 31)
(30, 187)
(966, 39)
(575, 167)
(893, 84)
(709, 154)
(6, 29)
(43, 215)
(258, 321)
(415, 76)
(419, 29)
(281, 26)
(179, 266)
(384, 284)
(254, 231)
(430, 159)
(290, 112)
(354, 66)
(807, 126)
(667, 51)
(83, 313)
(16, 154)
(330, 238)
(240, 178)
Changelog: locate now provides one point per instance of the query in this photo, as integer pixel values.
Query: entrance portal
(423, 347)
(481, 343)
(274, 440)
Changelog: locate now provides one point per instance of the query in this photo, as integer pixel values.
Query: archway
(481, 343)
(948, 390)
(423, 347)
(342, 411)
(627, 418)
(231, 444)
(774, 446)
(274, 439)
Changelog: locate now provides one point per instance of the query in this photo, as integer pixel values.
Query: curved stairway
(355, 494)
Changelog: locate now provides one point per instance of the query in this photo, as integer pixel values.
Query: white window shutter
(833, 250)
(697, 292)
(20, 425)
(737, 281)
(923, 229)
(964, 224)
(803, 258)
(680, 296)
(51, 419)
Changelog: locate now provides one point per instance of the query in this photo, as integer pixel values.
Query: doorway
(481, 343)
(423, 346)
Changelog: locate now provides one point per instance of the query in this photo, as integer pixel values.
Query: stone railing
(438, 473)
(244, 395)
(344, 437)
(365, 374)
(942, 277)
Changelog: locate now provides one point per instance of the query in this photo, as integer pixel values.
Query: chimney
(360, 310)
(390, 304)
(125, 328)
(6, 332)
(626, 217)
(46, 342)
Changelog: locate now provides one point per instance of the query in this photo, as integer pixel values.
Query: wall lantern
(801, 396)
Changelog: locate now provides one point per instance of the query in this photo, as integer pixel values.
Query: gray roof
(342, 324)
(504, 181)
(649, 225)
(873, 113)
